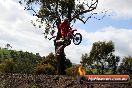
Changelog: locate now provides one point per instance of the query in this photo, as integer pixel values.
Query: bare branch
(105, 12)
(92, 7)
(87, 18)
(83, 20)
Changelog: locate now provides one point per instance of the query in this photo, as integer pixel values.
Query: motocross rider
(64, 28)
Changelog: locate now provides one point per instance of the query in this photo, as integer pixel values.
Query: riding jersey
(64, 28)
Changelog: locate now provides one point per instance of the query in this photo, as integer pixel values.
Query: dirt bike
(77, 38)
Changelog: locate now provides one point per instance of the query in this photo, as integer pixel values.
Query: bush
(69, 71)
(72, 71)
(45, 69)
(7, 66)
(1, 67)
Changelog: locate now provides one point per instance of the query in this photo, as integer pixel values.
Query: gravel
(49, 81)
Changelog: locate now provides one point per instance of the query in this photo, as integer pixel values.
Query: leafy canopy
(52, 12)
(102, 54)
(126, 65)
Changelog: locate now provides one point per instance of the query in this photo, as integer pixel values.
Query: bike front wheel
(77, 38)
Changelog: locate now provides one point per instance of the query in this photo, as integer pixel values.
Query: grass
(95, 71)
(4, 52)
(33, 86)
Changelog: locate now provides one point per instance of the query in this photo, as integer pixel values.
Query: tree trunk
(102, 68)
(114, 70)
(60, 58)
(98, 68)
(60, 62)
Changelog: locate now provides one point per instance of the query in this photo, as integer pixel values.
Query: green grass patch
(33, 86)
(94, 71)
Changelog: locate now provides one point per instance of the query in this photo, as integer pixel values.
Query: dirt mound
(48, 81)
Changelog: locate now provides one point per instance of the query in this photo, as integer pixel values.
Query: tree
(14, 55)
(7, 46)
(113, 62)
(52, 12)
(102, 55)
(50, 59)
(126, 65)
(24, 61)
(85, 60)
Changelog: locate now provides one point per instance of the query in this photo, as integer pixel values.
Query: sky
(17, 30)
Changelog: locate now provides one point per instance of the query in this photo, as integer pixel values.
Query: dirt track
(48, 81)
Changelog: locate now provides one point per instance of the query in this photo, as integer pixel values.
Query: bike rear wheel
(77, 38)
